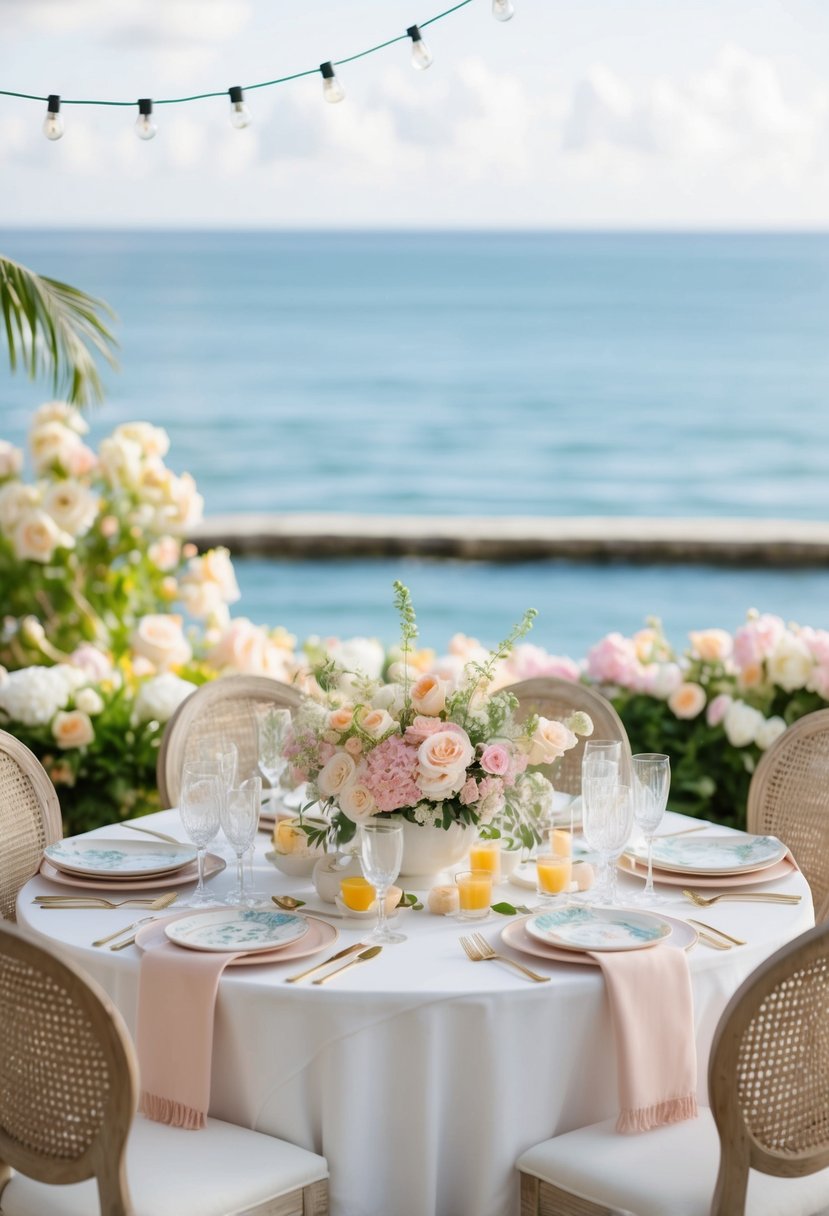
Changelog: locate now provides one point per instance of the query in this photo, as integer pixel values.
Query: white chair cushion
(218, 1171)
(670, 1171)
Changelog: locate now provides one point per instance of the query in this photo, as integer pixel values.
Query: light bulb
(332, 90)
(503, 10)
(240, 115)
(145, 128)
(53, 122)
(421, 55)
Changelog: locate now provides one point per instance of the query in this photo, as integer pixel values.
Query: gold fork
(768, 897)
(98, 901)
(102, 941)
(700, 924)
(478, 949)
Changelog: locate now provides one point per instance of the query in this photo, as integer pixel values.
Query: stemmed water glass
(239, 819)
(200, 807)
(381, 853)
(222, 754)
(607, 820)
(651, 782)
(272, 728)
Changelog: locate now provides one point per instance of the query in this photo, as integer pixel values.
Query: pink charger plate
(780, 869)
(683, 937)
(213, 865)
(320, 935)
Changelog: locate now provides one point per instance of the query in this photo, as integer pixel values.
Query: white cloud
(162, 23)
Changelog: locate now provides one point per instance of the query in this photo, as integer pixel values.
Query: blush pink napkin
(652, 1011)
(174, 1033)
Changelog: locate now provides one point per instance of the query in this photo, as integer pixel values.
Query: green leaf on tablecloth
(409, 900)
(504, 909)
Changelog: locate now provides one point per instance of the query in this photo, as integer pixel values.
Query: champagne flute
(607, 824)
(239, 819)
(272, 727)
(200, 809)
(601, 757)
(651, 782)
(381, 853)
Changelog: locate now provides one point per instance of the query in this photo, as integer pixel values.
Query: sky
(591, 113)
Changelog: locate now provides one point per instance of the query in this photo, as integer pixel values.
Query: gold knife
(292, 979)
(700, 924)
(372, 952)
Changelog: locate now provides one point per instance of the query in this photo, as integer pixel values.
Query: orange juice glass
(357, 893)
(486, 855)
(554, 874)
(474, 893)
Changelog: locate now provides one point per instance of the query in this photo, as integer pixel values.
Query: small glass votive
(474, 893)
(553, 877)
(561, 842)
(486, 855)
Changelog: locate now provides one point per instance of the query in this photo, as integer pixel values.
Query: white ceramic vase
(427, 850)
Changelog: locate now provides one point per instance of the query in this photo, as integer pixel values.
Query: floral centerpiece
(429, 753)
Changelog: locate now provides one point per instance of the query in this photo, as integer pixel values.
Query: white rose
(666, 679)
(73, 729)
(390, 697)
(184, 506)
(165, 552)
(365, 656)
(11, 459)
(160, 639)
(16, 500)
(63, 412)
(33, 695)
(790, 663)
(741, 724)
(159, 698)
(72, 506)
(429, 695)
(36, 536)
(770, 730)
(52, 444)
(249, 649)
(120, 462)
(550, 740)
(357, 803)
(153, 441)
(336, 775)
(89, 701)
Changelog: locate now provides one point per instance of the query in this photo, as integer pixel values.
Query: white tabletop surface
(420, 1076)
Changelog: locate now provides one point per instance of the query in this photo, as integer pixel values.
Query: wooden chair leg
(529, 1195)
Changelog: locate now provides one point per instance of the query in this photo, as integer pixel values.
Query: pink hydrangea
(390, 772)
(818, 642)
(528, 661)
(754, 641)
(613, 660)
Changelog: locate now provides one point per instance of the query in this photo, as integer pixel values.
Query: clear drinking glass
(200, 808)
(651, 783)
(607, 823)
(224, 755)
(381, 852)
(600, 758)
(240, 819)
(272, 727)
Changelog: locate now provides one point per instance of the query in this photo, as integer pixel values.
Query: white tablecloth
(420, 1076)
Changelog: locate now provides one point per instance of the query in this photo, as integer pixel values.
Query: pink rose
(422, 728)
(754, 641)
(613, 660)
(354, 746)
(325, 751)
(716, 710)
(495, 759)
(469, 793)
(527, 662)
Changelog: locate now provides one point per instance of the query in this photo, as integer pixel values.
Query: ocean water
(489, 374)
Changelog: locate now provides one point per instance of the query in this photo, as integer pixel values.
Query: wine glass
(606, 824)
(381, 852)
(240, 818)
(651, 782)
(202, 795)
(224, 755)
(272, 727)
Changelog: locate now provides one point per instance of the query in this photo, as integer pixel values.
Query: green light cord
(264, 84)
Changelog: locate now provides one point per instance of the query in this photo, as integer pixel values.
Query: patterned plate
(227, 930)
(737, 854)
(98, 857)
(580, 928)
(751, 879)
(213, 865)
(320, 936)
(683, 937)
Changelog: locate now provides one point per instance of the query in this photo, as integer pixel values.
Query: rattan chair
(221, 711)
(768, 1083)
(789, 798)
(68, 1091)
(552, 697)
(29, 818)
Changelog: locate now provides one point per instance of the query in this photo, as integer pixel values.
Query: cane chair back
(219, 712)
(789, 798)
(68, 1083)
(29, 818)
(768, 1076)
(552, 697)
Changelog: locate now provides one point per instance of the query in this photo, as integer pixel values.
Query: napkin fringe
(675, 1110)
(176, 1114)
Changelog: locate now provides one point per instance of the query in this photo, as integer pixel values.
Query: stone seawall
(721, 542)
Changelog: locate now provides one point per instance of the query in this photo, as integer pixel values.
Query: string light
(332, 90)
(240, 116)
(145, 128)
(53, 123)
(421, 55)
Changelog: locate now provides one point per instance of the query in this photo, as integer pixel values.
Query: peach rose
(550, 740)
(357, 803)
(11, 459)
(37, 536)
(712, 645)
(72, 506)
(336, 775)
(72, 729)
(354, 746)
(375, 722)
(341, 719)
(443, 759)
(688, 701)
(429, 695)
(160, 639)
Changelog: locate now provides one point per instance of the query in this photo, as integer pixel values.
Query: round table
(420, 1075)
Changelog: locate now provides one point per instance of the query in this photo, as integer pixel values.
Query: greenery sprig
(408, 635)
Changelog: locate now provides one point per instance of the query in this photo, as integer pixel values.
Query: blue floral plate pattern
(579, 928)
(737, 854)
(97, 857)
(230, 930)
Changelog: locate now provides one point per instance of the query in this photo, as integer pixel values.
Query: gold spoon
(288, 904)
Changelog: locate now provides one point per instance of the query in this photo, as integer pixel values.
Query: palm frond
(55, 330)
